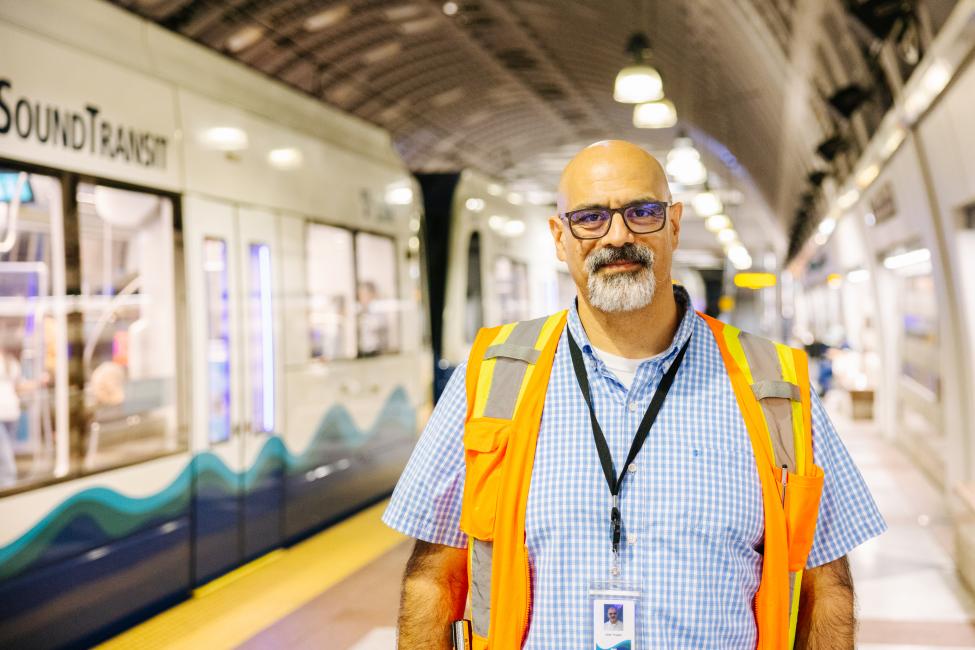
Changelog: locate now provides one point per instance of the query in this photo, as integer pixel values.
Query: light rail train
(211, 319)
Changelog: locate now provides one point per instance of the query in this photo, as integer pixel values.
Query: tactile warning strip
(233, 608)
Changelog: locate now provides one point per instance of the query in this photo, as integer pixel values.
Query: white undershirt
(623, 368)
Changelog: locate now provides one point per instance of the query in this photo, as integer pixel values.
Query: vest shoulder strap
(501, 363)
(778, 378)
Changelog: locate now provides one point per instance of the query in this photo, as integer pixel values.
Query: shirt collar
(681, 336)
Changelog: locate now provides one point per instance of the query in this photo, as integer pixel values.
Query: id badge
(615, 616)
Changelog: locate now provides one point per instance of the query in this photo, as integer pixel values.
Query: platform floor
(340, 589)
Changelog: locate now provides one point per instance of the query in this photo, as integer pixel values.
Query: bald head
(610, 168)
(617, 270)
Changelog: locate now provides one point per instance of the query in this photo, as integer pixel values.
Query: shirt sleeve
(427, 499)
(848, 515)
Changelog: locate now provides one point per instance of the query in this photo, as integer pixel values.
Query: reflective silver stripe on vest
(512, 359)
(511, 351)
(783, 389)
(481, 553)
(792, 589)
(509, 372)
(763, 360)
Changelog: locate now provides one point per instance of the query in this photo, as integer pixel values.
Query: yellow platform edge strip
(230, 610)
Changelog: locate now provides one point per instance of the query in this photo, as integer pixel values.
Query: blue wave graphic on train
(100, 515)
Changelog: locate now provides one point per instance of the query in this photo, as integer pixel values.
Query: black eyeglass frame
(567, 218)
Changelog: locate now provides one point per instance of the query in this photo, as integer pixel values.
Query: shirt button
(632, 468)
(632, 406)
(631, 539)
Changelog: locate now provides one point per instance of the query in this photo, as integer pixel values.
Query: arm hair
(826, 608)
(434, 595)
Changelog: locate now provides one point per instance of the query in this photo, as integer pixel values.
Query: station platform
(340, 589)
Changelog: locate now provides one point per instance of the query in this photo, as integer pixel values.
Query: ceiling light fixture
(381, 52)
(684, 163)
(660, 114)
(326, 18)
(906, 259)
(893, 142)
(639, 81)
(727, 236)
(447, 97)
(827, 226)
(419, 25)
(707, 203)
(933, 81)
(496, 222)
(867, 175)
(513, 228)
(717, 223)
(541, 197)
(848, 199)
(244, 38)
(403, 12)
(739, 257)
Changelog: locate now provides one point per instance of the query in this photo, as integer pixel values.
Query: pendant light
(638, 82)
(660, 114)
(684, 163)
(707, 203)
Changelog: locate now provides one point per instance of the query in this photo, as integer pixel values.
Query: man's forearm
(826, 615)
(434, 595)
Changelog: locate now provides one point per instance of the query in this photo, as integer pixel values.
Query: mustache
(634, 253)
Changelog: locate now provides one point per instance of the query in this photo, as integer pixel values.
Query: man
(612, 622)
(691, 505)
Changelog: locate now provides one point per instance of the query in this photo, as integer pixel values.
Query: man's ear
(555, 226)
(676, 211)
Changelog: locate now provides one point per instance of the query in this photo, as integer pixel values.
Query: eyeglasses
(642, 218)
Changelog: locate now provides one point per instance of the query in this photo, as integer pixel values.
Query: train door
(230, 257)
(262, 450)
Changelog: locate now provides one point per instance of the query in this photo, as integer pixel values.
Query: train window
(128, 326)
(261, 338)
(331, 292)
(377, 306)
(34, 433)
(511, 289)
(218, 338)
(474, 305)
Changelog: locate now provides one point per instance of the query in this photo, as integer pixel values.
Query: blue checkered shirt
(692, 509)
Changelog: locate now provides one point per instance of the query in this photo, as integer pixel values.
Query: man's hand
(434, 596)
(826, 620)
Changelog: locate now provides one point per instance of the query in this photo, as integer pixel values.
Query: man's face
(611, 613)
(619, 271)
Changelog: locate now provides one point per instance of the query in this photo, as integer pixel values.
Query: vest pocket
(485, 443)
(802, 496)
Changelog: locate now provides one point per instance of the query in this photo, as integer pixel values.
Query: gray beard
(621, 291)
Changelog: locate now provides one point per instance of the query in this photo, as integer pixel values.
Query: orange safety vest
(507, 376)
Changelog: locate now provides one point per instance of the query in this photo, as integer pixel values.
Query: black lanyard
(602, 448)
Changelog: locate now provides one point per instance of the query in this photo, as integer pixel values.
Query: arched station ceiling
(501, 83)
